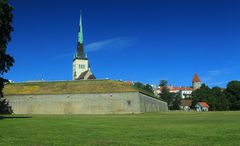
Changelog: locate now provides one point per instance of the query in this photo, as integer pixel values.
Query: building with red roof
(201, 106)
(185, 92)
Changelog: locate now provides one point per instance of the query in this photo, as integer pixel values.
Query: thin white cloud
(218, 83)
(214, 72)
(206, 79)
(112, 44)
(212, 77)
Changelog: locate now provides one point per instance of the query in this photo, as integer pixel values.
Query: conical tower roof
(196, 78)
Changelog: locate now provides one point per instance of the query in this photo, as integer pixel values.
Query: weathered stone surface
(94, 103)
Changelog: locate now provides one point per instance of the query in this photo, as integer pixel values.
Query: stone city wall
(99, 103)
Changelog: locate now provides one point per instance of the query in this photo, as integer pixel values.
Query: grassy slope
(212, 128)
(89, 86)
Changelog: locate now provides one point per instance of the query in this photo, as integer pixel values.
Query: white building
(185, 92)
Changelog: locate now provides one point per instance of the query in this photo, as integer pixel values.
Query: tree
(147, 87)
(6, 61)
(215, 97)
(176, 101)
(233, 95)
(139, 85)
(201, 94)
(163, 83)
(221, 102)
(173, 99)
(165, 94)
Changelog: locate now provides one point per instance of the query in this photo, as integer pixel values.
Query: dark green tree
(139, 85)
(6, 61)
(176, 101)
(215, 97)
(220, 100)
(201, 94)
(148, 88)
(165, 94)
(163, 83)
(233, 95)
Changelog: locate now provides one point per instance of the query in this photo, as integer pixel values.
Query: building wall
(77, 69)
(104, 103)
(185, 93)
(196, 85)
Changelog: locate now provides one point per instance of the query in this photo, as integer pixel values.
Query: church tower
(196, 82)
(81, 70)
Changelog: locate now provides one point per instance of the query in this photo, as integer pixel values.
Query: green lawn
(170, 128)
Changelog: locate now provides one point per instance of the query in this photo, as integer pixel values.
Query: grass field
(170, 128)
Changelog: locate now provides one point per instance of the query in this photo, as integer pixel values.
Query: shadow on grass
(14, 117)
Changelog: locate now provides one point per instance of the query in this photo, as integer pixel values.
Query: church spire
(80, 48)
(80, 32)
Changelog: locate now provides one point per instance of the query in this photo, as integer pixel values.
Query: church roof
(91, 77)
(196, 78)
(87, 75)
(82, 75)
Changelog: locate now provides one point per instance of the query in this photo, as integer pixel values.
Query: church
(81, 67)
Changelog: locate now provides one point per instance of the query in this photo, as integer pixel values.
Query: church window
(81, 66)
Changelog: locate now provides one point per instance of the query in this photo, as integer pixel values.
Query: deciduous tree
(6, 61)
(233, 95)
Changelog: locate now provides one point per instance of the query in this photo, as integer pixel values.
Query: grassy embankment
(71, 87)
(170, 128)
(89, 86)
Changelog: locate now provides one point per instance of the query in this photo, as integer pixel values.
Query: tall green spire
(80, 48)
(80, 32)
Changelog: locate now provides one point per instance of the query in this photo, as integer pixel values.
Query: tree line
(218, 99)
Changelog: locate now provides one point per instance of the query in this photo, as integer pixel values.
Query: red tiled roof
(171, 88)
(196, 78)
(203, 104)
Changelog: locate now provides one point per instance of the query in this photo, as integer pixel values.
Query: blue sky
(146, 40)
